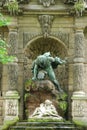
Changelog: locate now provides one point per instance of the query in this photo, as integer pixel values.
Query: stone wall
(1, 110)
(33, 34)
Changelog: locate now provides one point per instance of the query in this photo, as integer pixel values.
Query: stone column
(10, 70)
(79, 98)
(10, 78)
(13, 40)
(79, 61)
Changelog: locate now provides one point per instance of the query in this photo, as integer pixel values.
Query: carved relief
(46, 24)
(27, 36)
(78, 108)
(60, 35)
(12, 76)
(11, 106)
(78, 76)
(42, 45)
(79, 44)
(47, 3)
(13, 42)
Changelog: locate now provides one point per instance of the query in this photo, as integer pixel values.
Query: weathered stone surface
(79, 43)
(63, 41)
(79, 105)
(78, 77)
(42, 90)
(11, 105)
(1, 110)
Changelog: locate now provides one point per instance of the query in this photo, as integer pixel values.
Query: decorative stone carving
(12, 75)
(79, 61)
(47, 3)
(78, 77)
(27, 36)
(63, 36)
(60, 35)
(46, 23)
(78, 110)
(39, 91)
(79, 43)
(11, 105)
(13, 41)
(46, 110)
(69, 1)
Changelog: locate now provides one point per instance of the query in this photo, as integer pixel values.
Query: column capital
(79, 29)
(13, 28)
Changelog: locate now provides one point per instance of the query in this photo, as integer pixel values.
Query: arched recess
(40, 45)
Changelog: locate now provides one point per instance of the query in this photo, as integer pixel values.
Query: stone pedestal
(37, 93)
(79, 107)
(11, 105)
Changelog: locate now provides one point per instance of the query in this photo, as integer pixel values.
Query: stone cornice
(59, 9)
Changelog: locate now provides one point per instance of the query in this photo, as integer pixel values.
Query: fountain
(43, 98)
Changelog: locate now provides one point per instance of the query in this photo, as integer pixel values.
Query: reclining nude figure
(47, 63)
(46, 109)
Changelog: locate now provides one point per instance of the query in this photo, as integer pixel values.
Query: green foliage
(4, 57)
(63, 96)
(3, 21)
(13, 7)
(63, 101)
(63, 105)
(26, 96)
(79, 7)
(82, 125)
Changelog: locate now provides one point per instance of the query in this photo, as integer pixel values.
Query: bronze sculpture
(47, 63)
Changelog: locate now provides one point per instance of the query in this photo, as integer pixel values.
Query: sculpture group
(47, 110)
(46, 64)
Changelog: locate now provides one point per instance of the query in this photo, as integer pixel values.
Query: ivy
(13, 7)
(79, 7)
(4, 57)
(3, 21)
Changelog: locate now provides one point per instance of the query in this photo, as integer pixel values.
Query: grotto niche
(37, 91)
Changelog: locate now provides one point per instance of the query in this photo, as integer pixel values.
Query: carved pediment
(47, 3)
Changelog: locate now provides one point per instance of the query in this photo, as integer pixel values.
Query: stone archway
(40, 45)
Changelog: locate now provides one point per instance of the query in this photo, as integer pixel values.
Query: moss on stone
(9, 123)
(80, 123)
(44, 120)
(63, 105)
